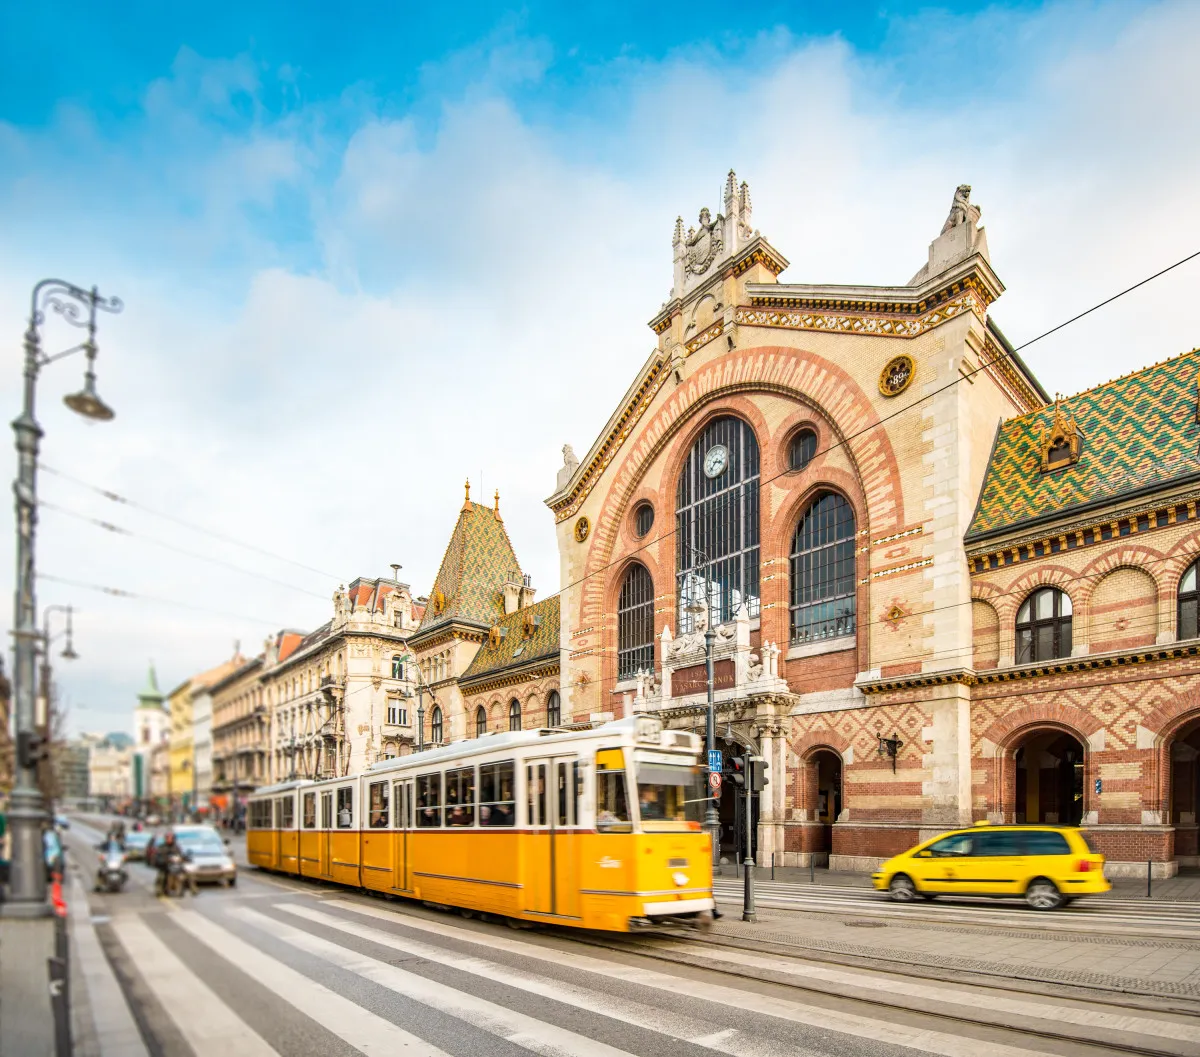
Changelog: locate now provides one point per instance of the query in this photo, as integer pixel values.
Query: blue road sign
(714, 759)
(1099, 786)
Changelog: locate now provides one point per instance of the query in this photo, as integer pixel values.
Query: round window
(643, 520)
(802, 449)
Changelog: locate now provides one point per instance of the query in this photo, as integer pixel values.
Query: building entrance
(1049, 771)
(1185, 794)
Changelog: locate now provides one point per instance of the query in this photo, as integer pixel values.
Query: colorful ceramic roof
(515, 648)
(478, 561)
(1137, 432)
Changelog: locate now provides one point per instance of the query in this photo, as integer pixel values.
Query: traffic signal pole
(748, 860)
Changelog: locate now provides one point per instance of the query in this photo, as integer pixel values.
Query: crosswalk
(1175, 919)
(297, 974)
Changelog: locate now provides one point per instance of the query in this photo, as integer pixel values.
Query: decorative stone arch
(1008, 732)
(1008, 602)
(1159, 729)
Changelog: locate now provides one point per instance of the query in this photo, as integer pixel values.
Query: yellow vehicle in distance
(1048, 865)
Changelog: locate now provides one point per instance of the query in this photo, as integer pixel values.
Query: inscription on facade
(694, 679)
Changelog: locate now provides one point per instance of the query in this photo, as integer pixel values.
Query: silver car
(209, 860)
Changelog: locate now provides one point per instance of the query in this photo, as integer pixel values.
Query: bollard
(772, 866)
(1149, 875)
(812, 870)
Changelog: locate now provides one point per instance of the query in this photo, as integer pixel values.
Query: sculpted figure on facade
(961, 209)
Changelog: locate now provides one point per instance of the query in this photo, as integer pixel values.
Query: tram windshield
(669, 792)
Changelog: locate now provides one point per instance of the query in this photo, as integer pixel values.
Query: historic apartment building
(488, 655)
(937, 596)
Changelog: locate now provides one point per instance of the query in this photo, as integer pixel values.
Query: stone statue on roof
(961, 209)
(569, 466)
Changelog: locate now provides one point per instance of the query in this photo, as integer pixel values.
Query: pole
(27, 813)
(1149, 877)
(712, 817)
(748, 863)
(421, 717)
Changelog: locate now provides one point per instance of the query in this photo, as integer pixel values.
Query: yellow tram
(598, 828)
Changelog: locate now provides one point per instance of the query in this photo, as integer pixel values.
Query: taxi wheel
(1043, 894)
(902, 889)
(929, 897)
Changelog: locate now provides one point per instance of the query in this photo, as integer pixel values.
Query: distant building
(181, 743)
(110, 770)
(72, 761)
(202, 727)
(239, 737)
(151, 727)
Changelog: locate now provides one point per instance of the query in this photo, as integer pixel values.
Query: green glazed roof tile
(515, 648)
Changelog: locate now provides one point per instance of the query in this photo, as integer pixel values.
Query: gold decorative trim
(703, 339)
(906, 567)
(829, 319)
(759, 256)
(897, 375)
(916, 531)
(582, 528)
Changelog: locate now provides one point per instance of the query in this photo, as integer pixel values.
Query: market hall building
(939, 597)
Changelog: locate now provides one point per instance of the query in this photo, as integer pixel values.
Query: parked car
(136, 844)
(209, 857)
(1047, 865)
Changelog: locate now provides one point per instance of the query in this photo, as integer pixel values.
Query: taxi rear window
(1046, 842)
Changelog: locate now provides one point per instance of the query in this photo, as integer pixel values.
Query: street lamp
(712, 817)
(44, 707)
(27, 815)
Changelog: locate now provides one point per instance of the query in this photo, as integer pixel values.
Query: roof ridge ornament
(716, 238)
(1060, 443)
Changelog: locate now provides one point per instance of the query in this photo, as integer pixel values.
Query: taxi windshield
(670, 792)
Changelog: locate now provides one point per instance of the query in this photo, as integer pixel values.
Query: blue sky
(369, 250)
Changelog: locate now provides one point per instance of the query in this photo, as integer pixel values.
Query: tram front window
(612, 805)
(670, 793)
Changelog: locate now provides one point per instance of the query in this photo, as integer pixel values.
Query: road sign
(714, 781)
(714, 760)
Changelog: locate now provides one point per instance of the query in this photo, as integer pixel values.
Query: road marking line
(923, 1040)
(518, 1028)
(359, 1027)
(203, 1019)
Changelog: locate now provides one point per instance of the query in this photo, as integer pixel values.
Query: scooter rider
(169, 855)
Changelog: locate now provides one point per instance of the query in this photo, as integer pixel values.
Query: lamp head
(68, 653)
(87, 401)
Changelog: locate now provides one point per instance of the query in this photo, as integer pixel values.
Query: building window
(716, 521)
(635, 623)
(643, 520)
(554, 710)
(822, 571)
(397, 667)
(1189, 604)
(435, 725)
(514, 714)
(802, 448)
(480, 721)
(1044, 626)
(397, 714)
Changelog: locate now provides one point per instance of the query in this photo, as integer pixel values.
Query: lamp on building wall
(890, 747)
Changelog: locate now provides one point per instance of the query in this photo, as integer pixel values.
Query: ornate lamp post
(712, 817)
(44, 700)
(27, 887)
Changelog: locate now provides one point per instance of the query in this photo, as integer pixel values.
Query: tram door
(277, 834)
(326, 837)
(402, 798)
(552, 866)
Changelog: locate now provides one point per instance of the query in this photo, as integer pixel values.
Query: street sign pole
(748, 861)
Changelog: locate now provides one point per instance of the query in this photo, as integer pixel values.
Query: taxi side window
(1046, 842)
(998, 842)
(957, 846)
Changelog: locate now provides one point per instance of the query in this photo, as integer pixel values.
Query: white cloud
(466, 294)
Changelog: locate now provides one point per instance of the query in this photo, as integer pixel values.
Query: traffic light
(737, 771)
(31, 749)
(756, 773)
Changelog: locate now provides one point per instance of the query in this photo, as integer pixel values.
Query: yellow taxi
(1048, 865)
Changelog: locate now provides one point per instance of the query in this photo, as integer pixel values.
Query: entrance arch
(1048, 767)
(821, 775)
(1184, 763)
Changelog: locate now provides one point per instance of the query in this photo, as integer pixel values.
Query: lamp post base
(27, 877)
(712, 823)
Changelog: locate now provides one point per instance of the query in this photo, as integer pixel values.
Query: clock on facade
(716, 462)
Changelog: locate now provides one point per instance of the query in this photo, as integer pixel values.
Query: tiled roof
(289, 642)
(515, 648)
(1136, 432)
(477, 562)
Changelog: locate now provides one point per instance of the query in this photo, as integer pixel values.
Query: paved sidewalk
(1133, 965)
(1183, 888)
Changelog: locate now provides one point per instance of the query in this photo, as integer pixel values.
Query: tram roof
(282, 787)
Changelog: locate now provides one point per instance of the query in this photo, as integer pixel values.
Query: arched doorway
(825, 766)
(1185, 793)
(1049, 771)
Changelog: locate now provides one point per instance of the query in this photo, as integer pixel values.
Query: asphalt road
(280, 966)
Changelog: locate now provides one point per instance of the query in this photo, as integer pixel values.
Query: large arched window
(435, 725)
(1189, 605)
(514, 714)
(823, 582)
(635, 623)
(480, 721)
(716, 521)
(553, 710)
(1044, 626)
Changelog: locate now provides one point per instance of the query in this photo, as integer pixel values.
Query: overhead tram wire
(120, 530)
(134, 504)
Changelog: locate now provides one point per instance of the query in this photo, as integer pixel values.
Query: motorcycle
(111, 875)
(179, 877)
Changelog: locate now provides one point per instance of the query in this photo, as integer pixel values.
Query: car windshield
(669, 792)
(206, 843)
(137, 838)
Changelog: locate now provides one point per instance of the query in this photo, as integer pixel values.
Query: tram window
(378, 818)
(345, 807)
(402, 800)
(429, 801)
(326, 811)
(670, 793)
(562, 785)
(578, 769)
(460, 797)
(612, 805)
(287, 813)
(310, 810)
(535, 776)
(497, 801)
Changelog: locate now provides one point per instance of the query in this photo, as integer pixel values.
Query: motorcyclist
(168, 855)
(116, 833)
